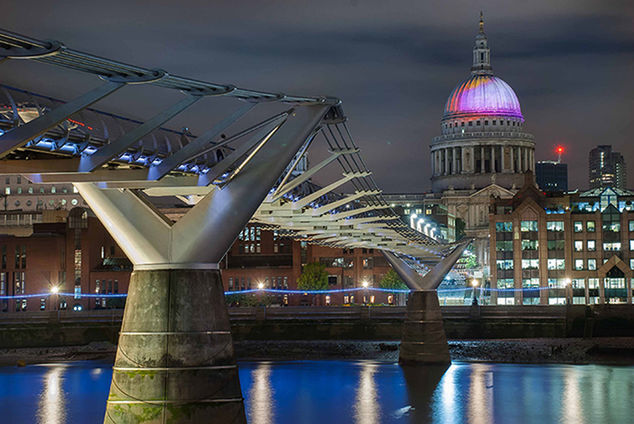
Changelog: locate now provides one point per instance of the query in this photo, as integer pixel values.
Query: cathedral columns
(455, 169)
(482, 160)
(492, 167)
(512, 167)
(446, 151)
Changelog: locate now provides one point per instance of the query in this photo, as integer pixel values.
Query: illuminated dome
(482, 95)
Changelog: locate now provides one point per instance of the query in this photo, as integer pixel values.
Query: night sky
(393, 64)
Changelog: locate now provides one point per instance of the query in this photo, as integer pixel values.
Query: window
(631, 225)
(530, 263)
(528, 226)
(590, 226)
(7, 190)
(555, 226)
(578, 245)
(592, 245)
(505, 264)
(504, 226)
(368, 263)
(631, 263)
(556, 244)
(578, 264)
(530, 282)
(612, 226)
(578, 226)
(77, 292)
(53, 190)
(612, 246)
(592, 264)
(555, 264)
(631, 244)
(530, 244)
(505, 246)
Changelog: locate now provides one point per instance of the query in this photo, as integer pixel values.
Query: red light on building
(559, 149)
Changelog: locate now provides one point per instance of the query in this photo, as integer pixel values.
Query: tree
(313, 277)
(391, 281)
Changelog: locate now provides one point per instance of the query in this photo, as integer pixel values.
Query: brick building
(572, 248)
(63, 251)
(71, 252)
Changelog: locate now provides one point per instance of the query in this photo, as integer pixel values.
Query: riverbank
(606, 350)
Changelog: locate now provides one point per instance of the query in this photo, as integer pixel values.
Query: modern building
(483, 150)
(606, 168)
(568, 248)
(427, 217)
(551, 176)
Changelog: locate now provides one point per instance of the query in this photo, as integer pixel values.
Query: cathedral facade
(483, 151)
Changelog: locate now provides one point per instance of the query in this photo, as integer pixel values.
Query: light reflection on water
(52, 403)
(333, 392)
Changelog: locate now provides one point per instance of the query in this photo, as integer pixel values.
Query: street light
(55, 290)
(474, 284)
(260, 286)
(365, 285)
(568, 283)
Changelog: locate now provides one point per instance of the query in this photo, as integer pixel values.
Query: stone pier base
(175, 361)
(424, 340)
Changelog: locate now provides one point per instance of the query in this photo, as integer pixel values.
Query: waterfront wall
(66, 328)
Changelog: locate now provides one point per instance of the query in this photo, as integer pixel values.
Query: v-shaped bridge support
(423, 340)
(175, 360)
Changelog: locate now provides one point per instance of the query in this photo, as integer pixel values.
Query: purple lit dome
(485, 95)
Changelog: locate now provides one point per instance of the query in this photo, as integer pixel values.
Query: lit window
(631, 244)
(528, 226)
(529, 244)
(632, 263)
(592, 245)
(7, 190)
(73, 202)
(592, 264)
(504, 226)
(590, 226)
(578, 226)
(530, 263)
(555, 264)
(631, 225)
(555, 226)
(504, 264)
(578, 245)
(578, 264)
(612, 246)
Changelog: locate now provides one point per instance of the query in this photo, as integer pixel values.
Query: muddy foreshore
(609, 350)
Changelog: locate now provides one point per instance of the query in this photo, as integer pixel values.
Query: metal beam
(224, 165)
(110, 151)
(209, 228)
(19, 136)
(305, 176)
(304, 201)
(333, 205)
(200, 143)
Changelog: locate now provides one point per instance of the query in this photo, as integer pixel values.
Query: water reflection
(367, 408)
(52, 400)
(334, 392)
(480, 402)
(422, 382)
(261, 395)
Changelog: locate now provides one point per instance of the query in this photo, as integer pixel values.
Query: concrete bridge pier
(423, 339)
(175, 359)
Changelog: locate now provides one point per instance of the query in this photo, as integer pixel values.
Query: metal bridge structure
(175, 359)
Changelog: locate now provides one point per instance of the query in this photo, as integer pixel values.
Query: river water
(362, 392)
